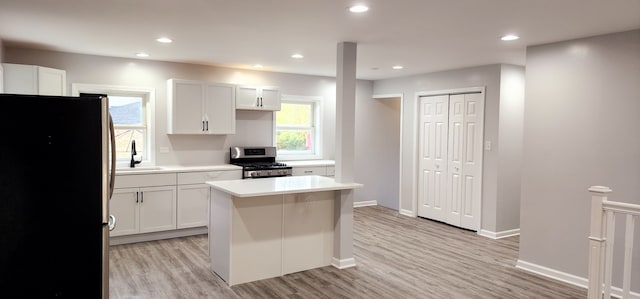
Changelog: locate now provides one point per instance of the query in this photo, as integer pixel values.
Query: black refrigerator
(55, 185)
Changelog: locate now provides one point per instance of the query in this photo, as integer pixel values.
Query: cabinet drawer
(331, 170)
(314, 170)
(203, 176)
(145, 180)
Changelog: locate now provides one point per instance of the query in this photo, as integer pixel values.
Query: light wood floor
(396, 256)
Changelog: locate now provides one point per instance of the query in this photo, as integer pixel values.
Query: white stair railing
(601, 241)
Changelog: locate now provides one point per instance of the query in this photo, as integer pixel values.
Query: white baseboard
(566, 277)
(344, 263)
(170, 234)
(499, 235)
(407, 213)
(358, 204)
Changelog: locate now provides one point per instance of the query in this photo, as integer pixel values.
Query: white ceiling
(422, 35)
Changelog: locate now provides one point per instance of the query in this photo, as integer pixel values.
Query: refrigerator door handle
(112, 140)
(112, 222)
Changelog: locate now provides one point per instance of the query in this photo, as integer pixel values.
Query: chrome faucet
(133, 153)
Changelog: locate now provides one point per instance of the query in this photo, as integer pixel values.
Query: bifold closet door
(450, 175)
(465, 160)
(432, 176)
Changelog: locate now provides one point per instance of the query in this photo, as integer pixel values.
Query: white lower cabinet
(143, 210)
(193, 195)
(193, 209)
(144, 203)
(164, 204)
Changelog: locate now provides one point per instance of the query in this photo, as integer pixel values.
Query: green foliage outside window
(291, 140)
(294, 126)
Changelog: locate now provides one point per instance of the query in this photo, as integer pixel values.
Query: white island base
(269, 227)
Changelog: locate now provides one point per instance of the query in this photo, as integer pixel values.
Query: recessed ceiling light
(397, 67)
(509, 37)
(297, 56)
(358, 8)
(258, 66)
(141, 54)
(164, 40)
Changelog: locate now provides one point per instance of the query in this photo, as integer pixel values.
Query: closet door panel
(472, 162)
(456, 157)
(432, 189)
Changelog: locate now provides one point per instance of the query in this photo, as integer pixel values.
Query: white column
(345, 111)
(345, 128)
(596, 241)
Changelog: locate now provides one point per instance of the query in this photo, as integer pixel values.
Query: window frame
(148, 96)
(316, 126)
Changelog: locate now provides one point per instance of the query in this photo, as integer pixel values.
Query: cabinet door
(185, 105)
(220, 109)
(124, 206)
(247, 98)
(52, 82)
(331, 171)
(270, 98)
(193, 205)
(157, 208)
(20, 78)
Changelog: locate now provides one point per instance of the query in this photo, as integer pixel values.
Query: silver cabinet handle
(258, 101)
(308, 171)
(112, 222)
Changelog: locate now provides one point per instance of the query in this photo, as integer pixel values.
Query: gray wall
(510, 146)
(581, 129)
(377, 147)
(488, 76)
(252, 127)
(375, 139)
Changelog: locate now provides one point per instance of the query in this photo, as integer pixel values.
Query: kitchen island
(269, 227)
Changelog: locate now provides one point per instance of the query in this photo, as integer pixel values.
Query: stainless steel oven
(258, 162)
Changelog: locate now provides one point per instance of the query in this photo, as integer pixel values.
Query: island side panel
(220, 207)
(308, 231)
(256, 239)
(343, 230)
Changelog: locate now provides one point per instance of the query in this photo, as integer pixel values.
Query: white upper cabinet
(258, 98)
(198, 107)
(33, 79)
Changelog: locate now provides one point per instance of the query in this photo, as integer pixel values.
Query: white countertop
(280, 185)
(175, 168)
(302, 163)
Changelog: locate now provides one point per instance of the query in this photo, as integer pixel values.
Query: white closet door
(472, 161)
(455, 150)
(434, 113)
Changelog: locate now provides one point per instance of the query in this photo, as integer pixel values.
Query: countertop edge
(219, 185)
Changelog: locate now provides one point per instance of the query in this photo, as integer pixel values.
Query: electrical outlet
(164, 150)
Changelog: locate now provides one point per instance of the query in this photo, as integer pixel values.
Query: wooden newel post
(596, 240)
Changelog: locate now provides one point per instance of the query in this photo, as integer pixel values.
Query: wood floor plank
(396, 256)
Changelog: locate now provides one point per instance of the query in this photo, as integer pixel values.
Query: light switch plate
(164, 150)
(487, 145)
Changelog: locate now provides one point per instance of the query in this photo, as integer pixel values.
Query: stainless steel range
(258, 162)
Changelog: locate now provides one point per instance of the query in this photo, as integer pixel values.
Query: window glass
(126, 110)
(129, 122)
(296, 128)
(130, 109)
